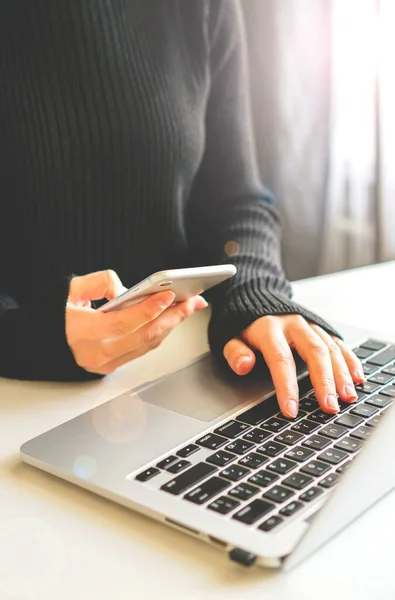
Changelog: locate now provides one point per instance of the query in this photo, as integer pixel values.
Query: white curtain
(386, 111)
(323, 93)
(360, 206)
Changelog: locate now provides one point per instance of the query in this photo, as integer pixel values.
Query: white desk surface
(59, 542)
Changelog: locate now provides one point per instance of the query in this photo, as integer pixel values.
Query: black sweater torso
(125, 143)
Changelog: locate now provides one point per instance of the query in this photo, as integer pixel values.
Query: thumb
(239, 356)
(94, 286)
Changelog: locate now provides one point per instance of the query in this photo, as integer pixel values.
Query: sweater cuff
(245, 303)
(38, 348)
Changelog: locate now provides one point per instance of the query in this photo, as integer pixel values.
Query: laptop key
(253, 460)
(349, 444)
(212, 441)
(316, 442)
(333, 431)
(291, 508)
(381, 378)
(388, 391)
(270, 523)
(329, 481)
(282, 466)
(373, 345)
(369, 369)
(278, 493)
(297, 481)
(188, 478)
(362, 433)
(333, 456)
(234, 472)
(311, 494)
(274, 425)
(379, 401)
(207, 490)
(147, 474)
(243, 491)
(364, 410)
(300, 454)
(259, 412)
(163, 464)
(299, 416)
(257, 436)
(384, 357)
(390, 369)
(188, 450)
(289, 437)
(374, 421)
(263, 478)
(363, 352)
(348, 420)
(178, 466)
(305, 427)
(240, 447)
(223, 505)
(232, 429)
(367, 387)
(343, 468)
(319, 416)
(315, 468)
(271, 448)
(308, 404)
(221, 458)
(253, 512)
(343, 406)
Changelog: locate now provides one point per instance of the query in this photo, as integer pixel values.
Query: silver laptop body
(106, 448)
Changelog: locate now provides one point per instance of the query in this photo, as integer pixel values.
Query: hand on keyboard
(333, 367)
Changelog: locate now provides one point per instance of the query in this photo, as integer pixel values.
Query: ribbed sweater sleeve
(33, 343)
(126, 143)
(232, 217)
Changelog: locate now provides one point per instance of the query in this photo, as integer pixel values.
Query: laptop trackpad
(198, 391)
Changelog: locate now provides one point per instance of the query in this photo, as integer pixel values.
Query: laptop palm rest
(139, 425)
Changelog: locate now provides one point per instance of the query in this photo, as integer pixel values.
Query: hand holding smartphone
(185, 283)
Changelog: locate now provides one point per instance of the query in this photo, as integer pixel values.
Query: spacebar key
(187, 479)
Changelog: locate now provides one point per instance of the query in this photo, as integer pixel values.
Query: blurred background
(323, 93)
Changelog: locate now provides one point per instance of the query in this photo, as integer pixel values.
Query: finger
(198, 302)
(343, 380)
(118, 324)
(150, 335)
(239, 356)
(94, 286)
(112, 365)
(352, 360)
(278, 357)
(184, 309)
(315, 353)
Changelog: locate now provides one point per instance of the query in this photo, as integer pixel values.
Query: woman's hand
(333, 367)
(101, 342)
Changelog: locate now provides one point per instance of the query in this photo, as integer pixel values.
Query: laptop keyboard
(261, 468)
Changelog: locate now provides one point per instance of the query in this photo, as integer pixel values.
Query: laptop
(214, 457)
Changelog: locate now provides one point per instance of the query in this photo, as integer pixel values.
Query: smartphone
(185, 283)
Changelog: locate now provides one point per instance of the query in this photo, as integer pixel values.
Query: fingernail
(360, 375)
(200, 304)
(241, 361)
(292, 408)
(331, 402)
(166, 300)
(349, 390)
